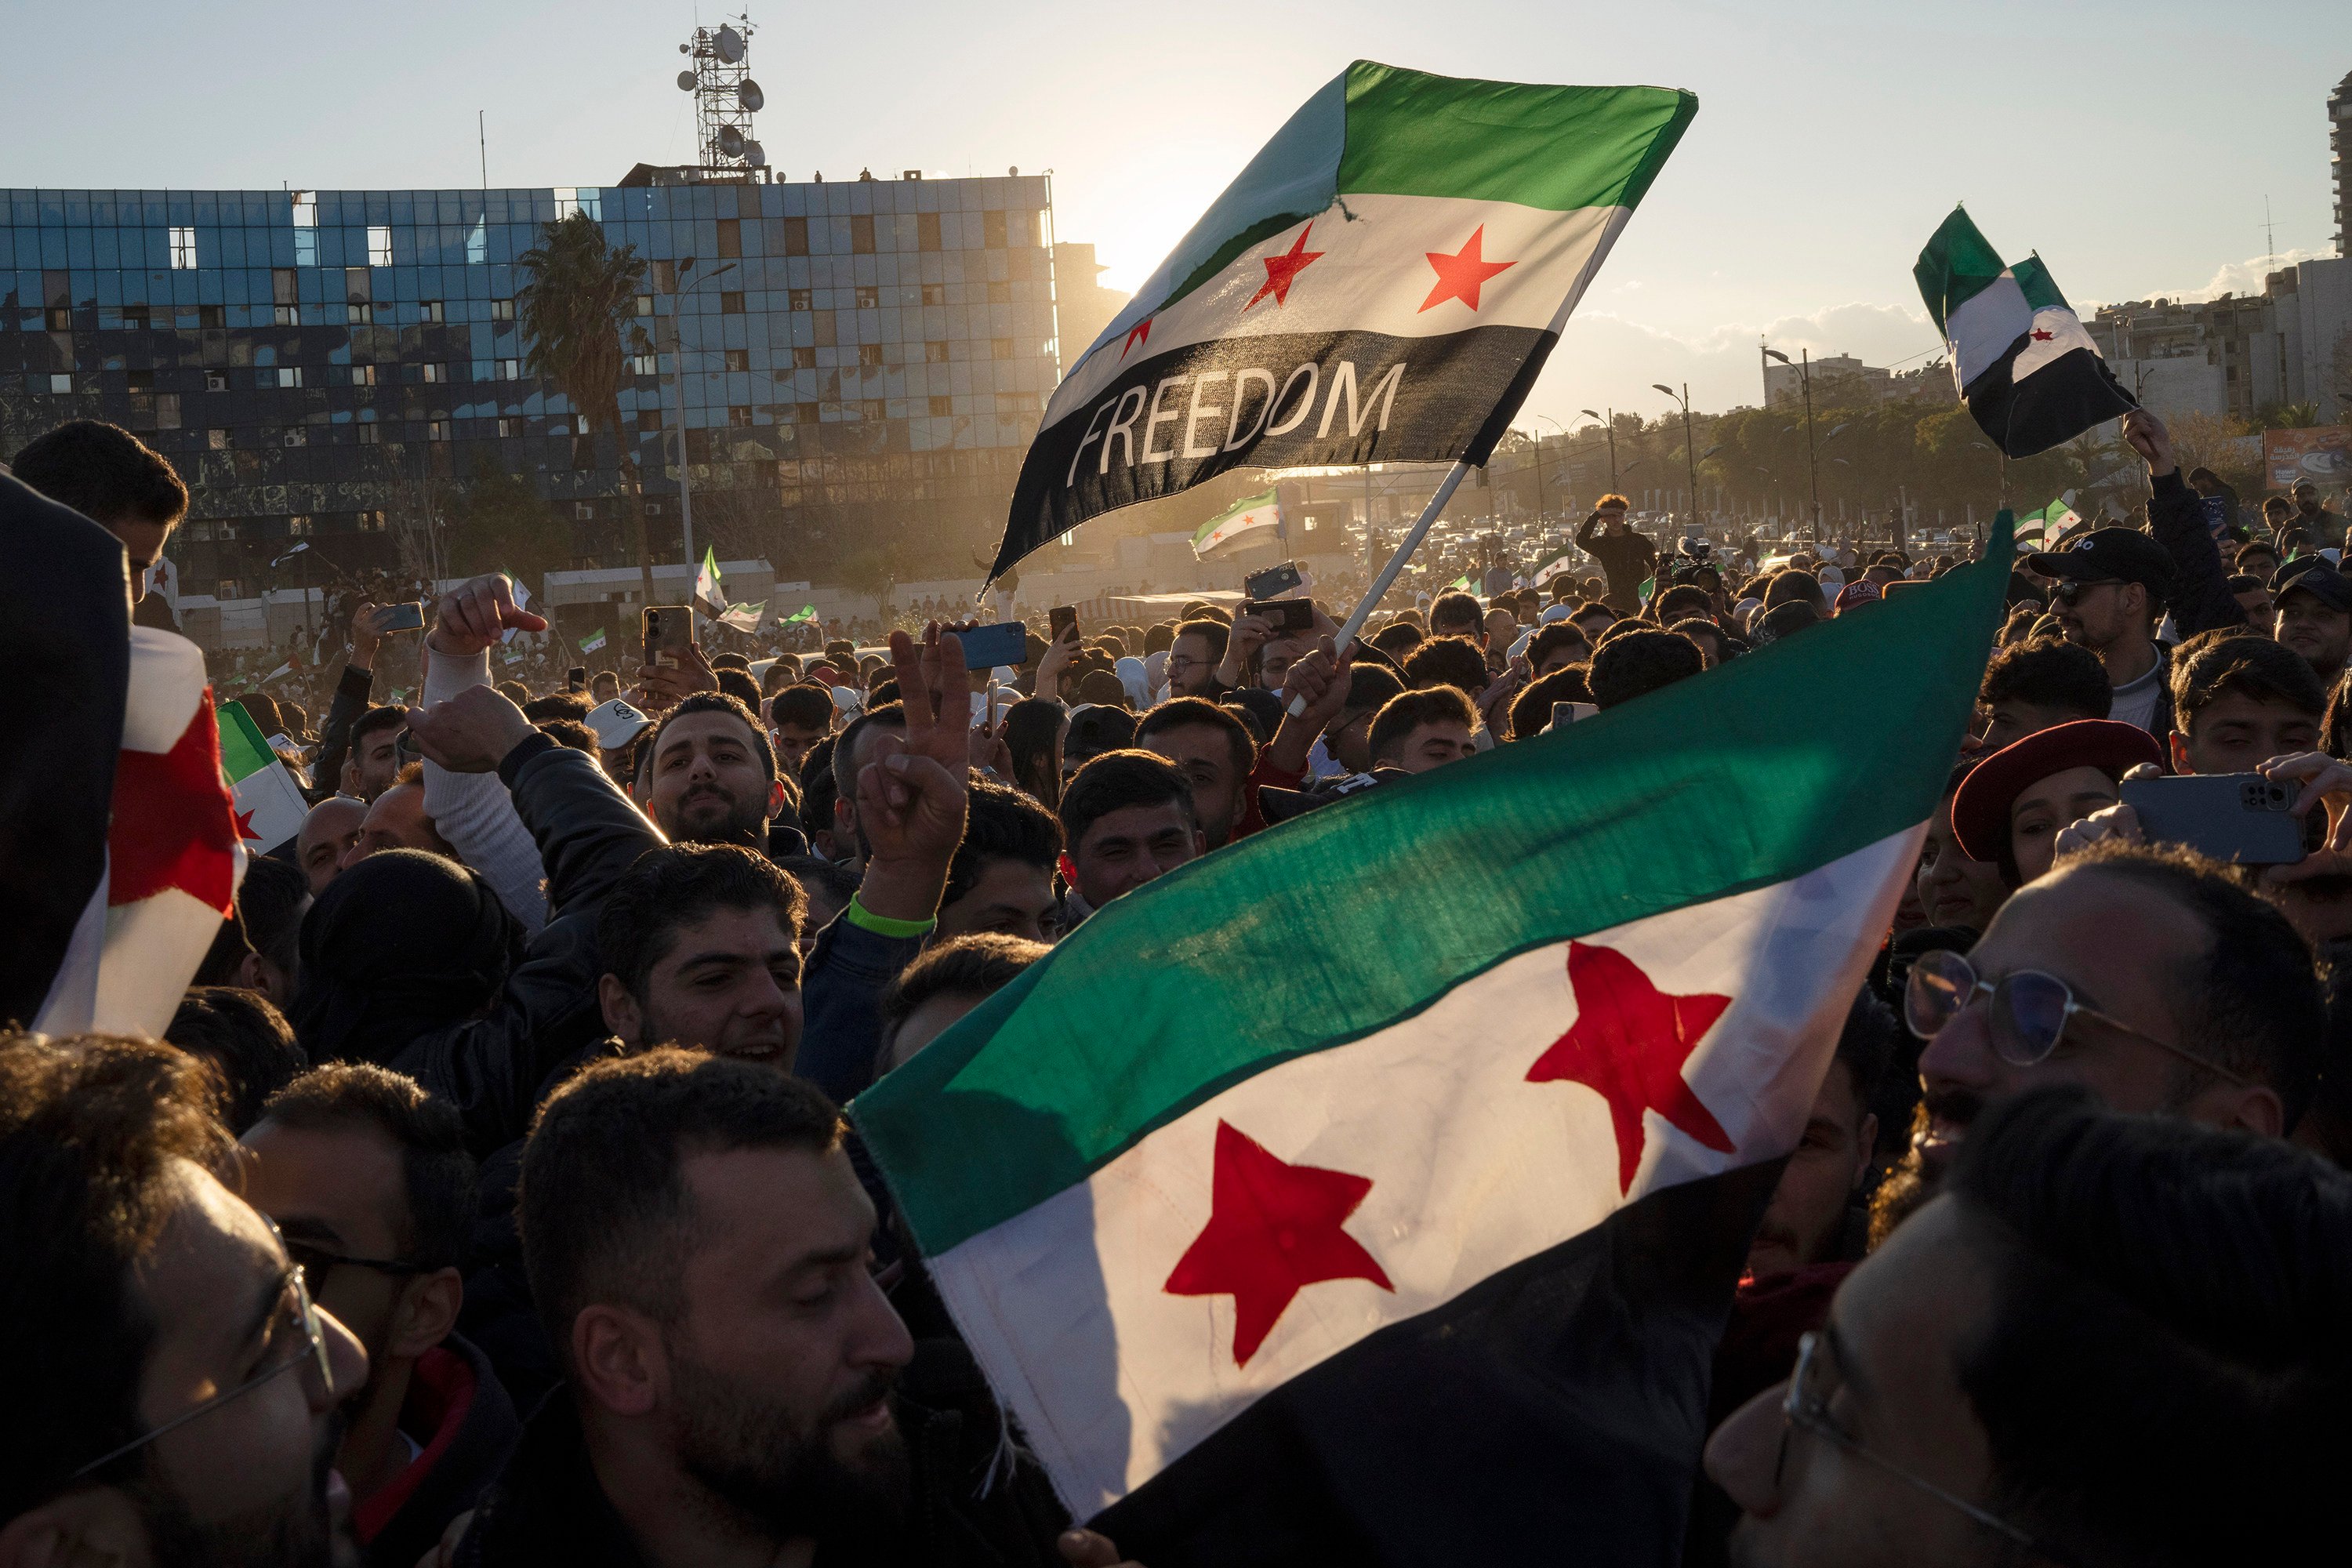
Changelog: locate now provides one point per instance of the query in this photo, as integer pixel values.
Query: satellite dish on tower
(755, 154)
(730, 44)
(686, 81)
(731, 141)
(750, 96)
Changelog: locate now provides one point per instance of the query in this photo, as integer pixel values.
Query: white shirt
(2135, 701)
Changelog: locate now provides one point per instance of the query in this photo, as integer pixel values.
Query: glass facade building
(863, 364)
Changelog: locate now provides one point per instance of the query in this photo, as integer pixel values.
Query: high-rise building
(2339, 139)
(863, 362)
(1082, 306)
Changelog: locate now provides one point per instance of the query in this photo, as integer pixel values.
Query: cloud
(2240, 278)
(1606, 358)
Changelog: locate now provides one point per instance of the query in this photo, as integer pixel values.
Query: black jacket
(546, 1507)
(2200, 598)
(492, 1068)
(467, 1428)
(354, 692)
(1628, 558)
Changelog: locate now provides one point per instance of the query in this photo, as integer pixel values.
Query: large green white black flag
(1382, 282)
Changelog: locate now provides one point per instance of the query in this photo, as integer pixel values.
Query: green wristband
(857, 914)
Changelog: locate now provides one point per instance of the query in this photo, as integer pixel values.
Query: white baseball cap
(615, 723)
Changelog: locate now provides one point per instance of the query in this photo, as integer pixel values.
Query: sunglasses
(2070, 590)
(2031, 1011)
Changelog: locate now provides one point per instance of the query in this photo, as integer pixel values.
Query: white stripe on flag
(2066, 335)
(1981, 329)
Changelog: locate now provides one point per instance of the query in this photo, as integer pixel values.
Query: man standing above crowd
(1624, 554)
(116, 480)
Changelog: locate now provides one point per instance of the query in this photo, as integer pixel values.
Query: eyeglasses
(316, 1262)
(2031, 1011)
(1807, 1406)
(1185, 662)
(2070, 590)
(296, 1340)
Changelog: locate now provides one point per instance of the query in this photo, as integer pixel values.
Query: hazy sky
(2132, 144)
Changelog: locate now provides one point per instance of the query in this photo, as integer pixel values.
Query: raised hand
(472, 733)
(912, 798)
(477, 613)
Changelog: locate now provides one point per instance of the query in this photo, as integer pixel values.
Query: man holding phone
(354, 690)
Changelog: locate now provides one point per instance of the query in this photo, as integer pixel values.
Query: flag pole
(1388, 574)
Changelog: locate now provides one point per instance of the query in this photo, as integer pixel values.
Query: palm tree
(577, 309)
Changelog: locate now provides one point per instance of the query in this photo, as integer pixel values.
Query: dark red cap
(1980, 809)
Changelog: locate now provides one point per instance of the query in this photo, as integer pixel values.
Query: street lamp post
(1690, 447)
(1609, 427)
(678, 378)
(1813, 456)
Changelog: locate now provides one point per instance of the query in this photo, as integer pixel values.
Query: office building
(863, 364)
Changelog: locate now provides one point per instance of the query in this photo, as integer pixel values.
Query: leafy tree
(578, 309)
(501, 523)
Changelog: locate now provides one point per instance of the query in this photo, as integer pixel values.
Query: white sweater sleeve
(474, 813)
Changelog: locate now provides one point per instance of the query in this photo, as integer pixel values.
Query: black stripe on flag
(1176, 419)
(1553, 1413)
(2058, 402)
(64, 632)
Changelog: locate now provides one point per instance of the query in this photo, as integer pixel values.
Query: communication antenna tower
(719, 74)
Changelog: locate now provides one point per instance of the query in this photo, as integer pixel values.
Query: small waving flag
(709, 593)
(2043, 529)
(1382, 282)
(592, 641)
(2029, 372)
(744, 617)
(1418, 1222)
(805, 614)
(269, 805)
(1237, 524)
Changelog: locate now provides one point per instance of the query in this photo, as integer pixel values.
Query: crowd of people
(503, 1113)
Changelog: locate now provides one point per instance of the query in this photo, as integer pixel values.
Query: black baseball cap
(2109, 555)
(1282, 804)
(2313, 575)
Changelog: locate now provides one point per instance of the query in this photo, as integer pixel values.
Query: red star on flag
(1273, 1230)
(245, 831)
(174, 825)
(1281, 269)
(1460, 275)
(1629, 1044)
(2041, 337)
(1138, 333)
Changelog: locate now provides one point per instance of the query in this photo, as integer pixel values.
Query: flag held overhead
(1384, 281)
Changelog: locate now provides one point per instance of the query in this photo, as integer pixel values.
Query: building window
(183, 250)
(298, 526)
(508, 369)
(435, 372)
(217, 440)
(871, 409)
(992, 230)
(362, 375)
(359, 313)
(503, 309)
(941, 407)
(429, 310)
(730, 238)
(738, 359)
(927, 231)
(739, 414)
(229, 587)
(138, 380)
(287, 315)
(583, 513)
(370, 435)
(799, 299)
(1000, 348)
(730, 304)
(870, 355)
(649, 419)
(61, 319)
(167, 411)
(935, 353)
(61, 381)
(287, 374)
(567, 202)
(436, 430)
(509, 427)
(371, 521)
(215, 381)
(861, 236)
(935, 293)
(804, 358)
(644, 304)
(134, 318)
(212, 315)
(379, 245)
(869, 299)
(294, 436)
(643, 364)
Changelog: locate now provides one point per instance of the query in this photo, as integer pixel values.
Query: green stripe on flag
(2041, 290)
(1339, 923)
(1558, 148)
(245, 750)
(1957, 265)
